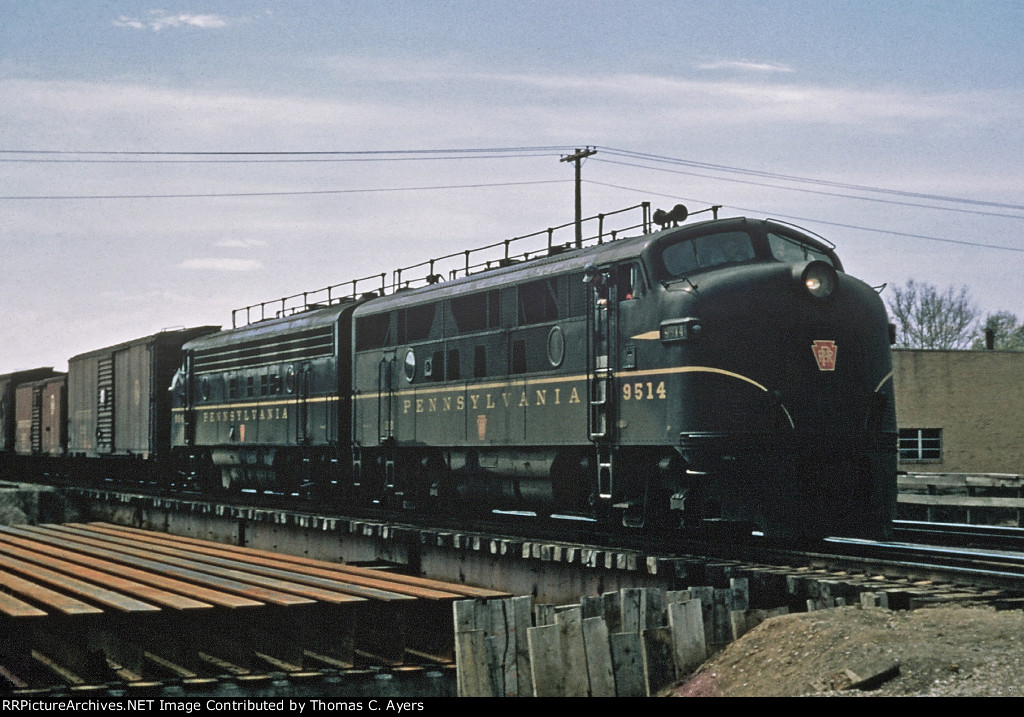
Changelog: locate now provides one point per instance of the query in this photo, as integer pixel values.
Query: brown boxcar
(118, 398)
(8, 383)
(41, 411)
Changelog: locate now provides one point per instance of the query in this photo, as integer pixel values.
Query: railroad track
(988, 558)
(960, 534)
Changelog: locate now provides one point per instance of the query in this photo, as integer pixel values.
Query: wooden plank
(612, 602)
(522, 620)
(963, 501)
(600, 675)
(659, 667)
(654, 608)
(722, 625)
(62, 672)
(686, 621)
(465, 614)
(546, 665)
(498, 648)
(280, 566)
(574, 653)
(740, 593)
(592, 606)
(190, 571)
(445, 590)
(990, 480)
(628, 664)
(706, 596)
(81, 588)
(13, 607)
(634, 609)
(570, 614)
(107, 580)
(60, 548)
(282, 581)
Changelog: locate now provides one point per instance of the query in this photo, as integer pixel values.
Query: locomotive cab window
(793, 251)
(630, 283)
(701, 253)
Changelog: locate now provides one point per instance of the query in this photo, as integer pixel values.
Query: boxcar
(42, 411)
(8, 383)
(118, 398)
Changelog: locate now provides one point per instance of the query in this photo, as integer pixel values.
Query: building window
(920, 444)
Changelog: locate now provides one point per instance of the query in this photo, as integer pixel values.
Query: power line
(313, 192)
(267, 160)
(377, 155)
(817, 221)
(820, 192)
(805, 180)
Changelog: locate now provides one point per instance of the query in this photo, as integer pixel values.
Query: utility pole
(577, 157)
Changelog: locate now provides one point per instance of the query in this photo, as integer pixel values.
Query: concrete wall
(975, 397)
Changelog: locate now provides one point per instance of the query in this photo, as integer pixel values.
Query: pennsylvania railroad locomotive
(722, 371)
(726, 371)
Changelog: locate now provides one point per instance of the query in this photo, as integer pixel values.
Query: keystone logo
(825, 354)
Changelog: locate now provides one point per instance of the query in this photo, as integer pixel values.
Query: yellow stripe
(517, 383)
(882, 382)
(258, 404)
(696, 369)
(528, 383)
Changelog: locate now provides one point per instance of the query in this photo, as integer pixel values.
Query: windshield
(687, 257)
(793, 251)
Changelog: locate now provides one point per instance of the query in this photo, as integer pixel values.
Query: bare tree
(927, 318)
(1007, 332)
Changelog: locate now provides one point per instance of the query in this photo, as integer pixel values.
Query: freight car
(119, 407)
(8, 412)
(727, 370)
(41, 409)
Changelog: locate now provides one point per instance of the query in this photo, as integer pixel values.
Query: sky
(162, 164)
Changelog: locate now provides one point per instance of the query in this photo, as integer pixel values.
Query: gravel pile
(942, 651)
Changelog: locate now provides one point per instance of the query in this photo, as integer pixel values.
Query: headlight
(818, 278)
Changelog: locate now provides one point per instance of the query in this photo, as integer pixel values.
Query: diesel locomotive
(723, 371)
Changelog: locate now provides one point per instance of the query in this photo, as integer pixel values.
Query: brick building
(960, 411)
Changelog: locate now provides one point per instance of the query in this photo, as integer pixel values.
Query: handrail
(469, 263)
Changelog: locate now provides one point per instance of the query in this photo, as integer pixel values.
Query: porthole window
(410, 366)
(556, 346)
(204, 389)
(289, 380)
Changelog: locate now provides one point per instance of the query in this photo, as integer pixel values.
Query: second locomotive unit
(726, 370)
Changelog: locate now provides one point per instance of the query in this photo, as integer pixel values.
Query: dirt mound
(945, 651)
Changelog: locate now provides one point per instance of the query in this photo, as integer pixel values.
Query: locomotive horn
(676, 216)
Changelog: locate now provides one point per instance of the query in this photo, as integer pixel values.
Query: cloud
(744, 65)
(159, 20)
(241, 243)
(214, 264)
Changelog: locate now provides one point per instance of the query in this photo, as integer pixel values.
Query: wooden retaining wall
(629, 643)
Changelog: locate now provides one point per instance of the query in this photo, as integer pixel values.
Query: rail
(456, 264)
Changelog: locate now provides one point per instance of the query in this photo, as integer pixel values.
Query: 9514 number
(643, 391)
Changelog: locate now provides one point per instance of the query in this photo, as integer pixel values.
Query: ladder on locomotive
(601, 329)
